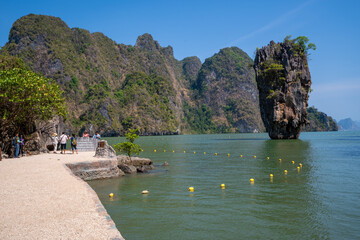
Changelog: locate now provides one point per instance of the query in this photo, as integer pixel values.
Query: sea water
(320, 200)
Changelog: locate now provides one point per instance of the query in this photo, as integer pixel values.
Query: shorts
(73, 147)
(63, 146)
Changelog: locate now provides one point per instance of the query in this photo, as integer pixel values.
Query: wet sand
(41, 199)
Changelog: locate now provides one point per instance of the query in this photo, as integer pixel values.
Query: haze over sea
(320, 201)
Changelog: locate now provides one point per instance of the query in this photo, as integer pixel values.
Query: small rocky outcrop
(104, 150)
(284, 81)
(141, 164)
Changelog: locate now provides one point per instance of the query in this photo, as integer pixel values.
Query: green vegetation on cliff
(319, 121)
(226, 85)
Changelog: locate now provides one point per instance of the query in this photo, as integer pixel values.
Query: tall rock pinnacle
(284, 81)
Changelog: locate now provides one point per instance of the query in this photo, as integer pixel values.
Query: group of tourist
(62, 140)
(57, 142)
(18, 144)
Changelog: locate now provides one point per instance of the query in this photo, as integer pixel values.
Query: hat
(54, 134)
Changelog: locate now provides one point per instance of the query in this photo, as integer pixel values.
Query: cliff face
(226, 85)
(111, 87)
(319, 122)
(283, 80)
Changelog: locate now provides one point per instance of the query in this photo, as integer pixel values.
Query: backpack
(74, 142)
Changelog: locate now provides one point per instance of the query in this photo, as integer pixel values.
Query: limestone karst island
(107, 140)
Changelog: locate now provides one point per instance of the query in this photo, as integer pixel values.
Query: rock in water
(283, 79)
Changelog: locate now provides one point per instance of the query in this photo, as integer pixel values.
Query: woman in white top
(55, 141)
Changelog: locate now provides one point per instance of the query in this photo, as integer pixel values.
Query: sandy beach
(41, 199)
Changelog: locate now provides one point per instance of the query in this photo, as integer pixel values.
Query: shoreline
(41, 198)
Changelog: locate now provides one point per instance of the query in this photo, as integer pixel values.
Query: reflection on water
(305, 204)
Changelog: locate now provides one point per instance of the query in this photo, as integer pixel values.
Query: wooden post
(0, 154)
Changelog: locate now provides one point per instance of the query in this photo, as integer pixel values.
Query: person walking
(63, 139)
(16, 143)
(73, 144)
(55, 141)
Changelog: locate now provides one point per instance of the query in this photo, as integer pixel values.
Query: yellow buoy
(184, 151)
(254, 156)
(111, 195)
(164, 150)
(228, 154)
(145, 192)
(191, 189)
(271, 175)
(204, 153)
(194, 152)
(173, 151)
(293, 162)
(215, 154)
(285, 171)
(240, 155)
(298, 168)
(267, 158)
(154, 150)
(222, 185)
(300, 164)
(280, 159)
(252, 180)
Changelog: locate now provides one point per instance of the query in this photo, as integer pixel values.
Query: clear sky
(202, 28)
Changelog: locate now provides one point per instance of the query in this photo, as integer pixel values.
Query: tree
(301, 44)
(26, 97)
(129, 147)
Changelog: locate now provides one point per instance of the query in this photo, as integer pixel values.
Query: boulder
(104, 150)
(140, 164)
(129, 169)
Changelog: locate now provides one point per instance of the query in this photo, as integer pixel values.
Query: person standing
(73, 144)
(63, 139)
(55, 141)
(96, 138)
(22, 145)
(16, 144)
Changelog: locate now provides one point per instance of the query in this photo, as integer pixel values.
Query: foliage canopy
(26, 96)
(129, 147)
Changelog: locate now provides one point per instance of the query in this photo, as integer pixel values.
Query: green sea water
(320, 201)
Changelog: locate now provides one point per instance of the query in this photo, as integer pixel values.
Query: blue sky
(202, 28)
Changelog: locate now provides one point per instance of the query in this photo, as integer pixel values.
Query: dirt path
(41, 199)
